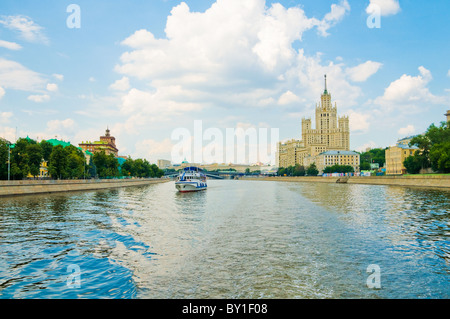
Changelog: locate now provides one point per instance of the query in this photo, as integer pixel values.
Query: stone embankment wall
(437, 181)
(27, 187)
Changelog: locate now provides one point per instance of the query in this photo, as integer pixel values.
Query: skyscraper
(331, 132)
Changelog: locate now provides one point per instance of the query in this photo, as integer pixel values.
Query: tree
(128, 167)
(46, 150)
(413, 164)
(298, 170)
(4, 149)
(312, 170)
(99, 159)
(112, 166)
(34, 152)
(75, 165)
(57, 164)
(434, 148)
(20, 159)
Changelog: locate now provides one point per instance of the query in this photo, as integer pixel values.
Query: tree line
(433, 150)
(68, 162)
(298, 170)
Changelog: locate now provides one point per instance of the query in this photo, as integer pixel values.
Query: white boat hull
(185, 187)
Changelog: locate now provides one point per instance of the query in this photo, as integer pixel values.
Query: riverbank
(434, 181)
(28, 187)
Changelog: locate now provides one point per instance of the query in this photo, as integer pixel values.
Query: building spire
(326, 91)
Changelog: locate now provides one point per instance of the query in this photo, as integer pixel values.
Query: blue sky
(146, 68)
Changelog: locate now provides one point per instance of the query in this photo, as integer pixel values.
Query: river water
(238, 239)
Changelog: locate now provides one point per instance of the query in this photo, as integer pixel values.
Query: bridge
(215, 175)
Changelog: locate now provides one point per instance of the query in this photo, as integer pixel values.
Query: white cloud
(448, 73)
(39, 98)
(10, 45)
(5, 117)
(410, 91)
(287, 98)
(52, 87)
(8, 133)
(27, 28)
(235, 55)
(121, 85)
(61, 126)
(363, 71)
(366, 146)
(386, 7)
(59, 77)
(406, 131)
(2, 92)
(359, 122)
(153, 150)
(15, 76)
(92, 79)
(337, 13)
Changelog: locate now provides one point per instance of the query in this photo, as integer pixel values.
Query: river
(238, 239)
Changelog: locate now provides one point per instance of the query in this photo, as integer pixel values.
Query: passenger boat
(191, 179)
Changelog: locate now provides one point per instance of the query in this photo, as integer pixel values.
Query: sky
(146, 69)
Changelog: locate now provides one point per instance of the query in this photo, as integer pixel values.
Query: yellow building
(448, 115)
(330, 158)
(107, 144)
(396, 155)
(332, 132)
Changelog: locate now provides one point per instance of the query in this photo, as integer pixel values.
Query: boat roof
(193, 168)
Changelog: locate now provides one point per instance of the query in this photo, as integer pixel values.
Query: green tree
(4, 149)
(128, 167)
(100, 161)
(34, 152)
(20, 157)
(58, 162)
(75, 165)
(312, 170)
(112, 166)
(298, 170)
(434, 148)
(413, 164)
(46, 150)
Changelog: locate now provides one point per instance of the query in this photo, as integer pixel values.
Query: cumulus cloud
(337, 13)
(59, 77)
(121, 85)
(406, 131)
(10, 45)
(359, 122)
(153, 150)
(52, 87)
(409, 91)
(385, 7)
(14, 75)
(58, 126)
(287, 98)
(39, 98)
(2, 92)
(5, 117)
(26, 27)
(363, 71)
(366, 146)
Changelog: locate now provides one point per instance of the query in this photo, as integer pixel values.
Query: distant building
(162, 164)
(332, 132)
(331, 158)
(396, 155)
(448, 115)
(107, 144)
